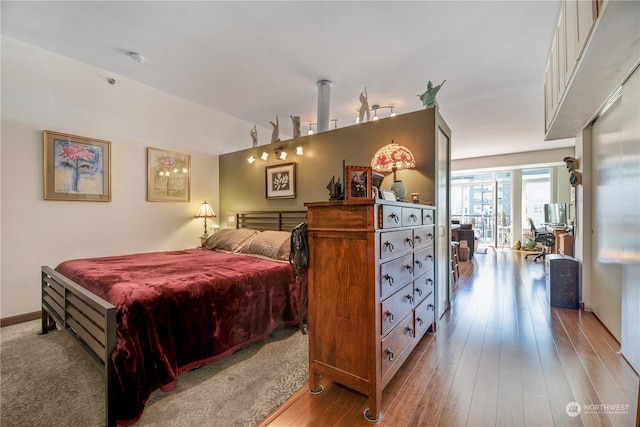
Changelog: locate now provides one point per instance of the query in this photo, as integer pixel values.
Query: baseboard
(14, 320)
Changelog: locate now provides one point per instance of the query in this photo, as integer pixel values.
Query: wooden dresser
(371, 291)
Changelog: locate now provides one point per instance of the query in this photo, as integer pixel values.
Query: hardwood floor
(501, 356)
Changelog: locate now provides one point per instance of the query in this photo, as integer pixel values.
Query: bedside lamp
(391, 158)
(205, 212)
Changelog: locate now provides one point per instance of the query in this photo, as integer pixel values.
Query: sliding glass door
(484, 200)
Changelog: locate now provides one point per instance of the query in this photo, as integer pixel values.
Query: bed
(146, 318)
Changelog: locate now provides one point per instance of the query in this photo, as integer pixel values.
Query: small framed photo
(358, 182)
(280, 181)
(388, 195)
(76, 168)
(168, 176)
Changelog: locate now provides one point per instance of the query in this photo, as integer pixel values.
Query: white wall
(529, 159)
(45, 91)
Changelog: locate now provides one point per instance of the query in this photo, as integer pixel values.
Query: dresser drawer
(423, 236)
(396, 307)
(391, 217)
(424, 315)
(421, 262)
(394, 345)
(424, 258)
(395, 274)
(422, 287)
(428, 216)
(411, 217)
(395, 243)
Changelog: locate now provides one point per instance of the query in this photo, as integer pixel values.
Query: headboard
(270, 220)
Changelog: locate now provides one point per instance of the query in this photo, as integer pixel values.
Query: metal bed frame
(91, 321)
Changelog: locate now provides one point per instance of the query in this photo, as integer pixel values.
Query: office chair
(547, 238)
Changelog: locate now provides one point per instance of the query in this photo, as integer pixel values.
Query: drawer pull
(409, 241)
(409, 267)
(419, 263)
(431, 306)
(418, 238)
(420, 321)
(418, 291)
(413, 217)
(411, 333)
(429, 281)
(430, 257)
(388, 279)
(389, 316)
(393, 217)
(390, 354)
(389, 246)
(409, 298)
(430, 236)
(429, 218)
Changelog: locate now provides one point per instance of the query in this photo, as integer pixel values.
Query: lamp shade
(393, 157)
(205, 211)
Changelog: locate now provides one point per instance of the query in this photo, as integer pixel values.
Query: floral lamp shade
(391, 158)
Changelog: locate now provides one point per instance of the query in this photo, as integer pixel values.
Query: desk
(556, 233)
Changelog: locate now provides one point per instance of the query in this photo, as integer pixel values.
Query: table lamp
(205, 212)
(391, 158)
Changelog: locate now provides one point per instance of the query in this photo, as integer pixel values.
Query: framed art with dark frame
(168, 176)
(76, 168)
(358, 182)
(280, 181)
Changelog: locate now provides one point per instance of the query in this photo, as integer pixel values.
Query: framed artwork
(280, 181)
(358, 182)
(76, 168)
(168, 176)
(389, 195)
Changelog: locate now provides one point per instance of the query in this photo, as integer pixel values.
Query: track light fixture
(374, 108)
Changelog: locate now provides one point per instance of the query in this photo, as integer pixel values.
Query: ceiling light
(299, 151)
(283, 155)
(251, 159)
(265, 155)
(137, 57)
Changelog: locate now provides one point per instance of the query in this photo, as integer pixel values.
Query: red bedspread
(182, 309)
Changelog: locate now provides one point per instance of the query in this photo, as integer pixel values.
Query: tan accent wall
(242, 185)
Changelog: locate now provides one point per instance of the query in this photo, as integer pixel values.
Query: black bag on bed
(299, 259)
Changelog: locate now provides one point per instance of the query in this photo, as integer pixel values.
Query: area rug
(237, 391)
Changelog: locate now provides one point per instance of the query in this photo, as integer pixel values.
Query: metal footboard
(88, 319)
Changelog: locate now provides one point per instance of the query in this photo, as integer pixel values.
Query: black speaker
(562, 274)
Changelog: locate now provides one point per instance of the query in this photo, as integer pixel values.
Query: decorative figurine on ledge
(364, 106)
(335, 189)
(275, 134)
(429, 97)
(254, 136)
(296, 125)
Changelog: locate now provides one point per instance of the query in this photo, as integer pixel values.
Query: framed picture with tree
(76, 168)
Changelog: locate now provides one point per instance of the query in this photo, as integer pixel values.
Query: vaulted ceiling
(256, 60)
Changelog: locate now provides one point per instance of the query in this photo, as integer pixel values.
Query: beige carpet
(45, 380)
